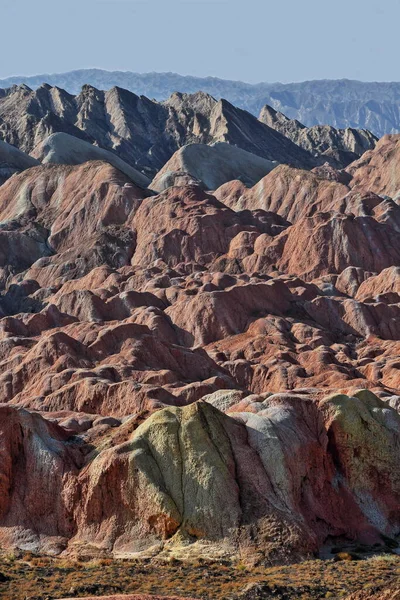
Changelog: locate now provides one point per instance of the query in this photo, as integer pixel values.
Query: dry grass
(42, 578)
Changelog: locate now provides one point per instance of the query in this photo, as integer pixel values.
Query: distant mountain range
(341, 103)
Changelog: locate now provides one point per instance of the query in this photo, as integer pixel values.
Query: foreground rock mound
(277, 477)
(36, 466)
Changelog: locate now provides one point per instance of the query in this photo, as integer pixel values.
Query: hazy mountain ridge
(341, 103)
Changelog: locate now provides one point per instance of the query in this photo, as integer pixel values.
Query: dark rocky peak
(89, 90)
(89, 97)
(22, 88)
(130, 102)
(272, 117)
(198, 102)
(42, 99)
(52, 123)
(339, 147)
(55, 90)
(143, 132)
(122, 95)
(241, 128)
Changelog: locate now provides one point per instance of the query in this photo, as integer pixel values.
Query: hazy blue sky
(251, 40)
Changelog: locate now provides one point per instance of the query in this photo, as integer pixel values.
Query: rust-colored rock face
(179, 372)
(292, 193)
(377, 170)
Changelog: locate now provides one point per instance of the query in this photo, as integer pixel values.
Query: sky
(248, 40)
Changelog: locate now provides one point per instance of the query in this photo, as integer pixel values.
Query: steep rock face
(29, 117)
(289, 127)
(207, 120)
(385, 286)
(20, 248)
(296, 193)
(362, 429)
(237, 127)
(37, 467)
(186, 485)
(216, 315)
(340, 147)
(213, 166)
(377, 170)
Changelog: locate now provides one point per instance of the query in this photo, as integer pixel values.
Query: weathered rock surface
(72, 214)
(305, 249)
(199, 231)
(36, 464)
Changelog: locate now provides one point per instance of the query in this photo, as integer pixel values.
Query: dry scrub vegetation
(32, 577)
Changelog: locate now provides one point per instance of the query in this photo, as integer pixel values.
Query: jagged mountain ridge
(144, 133)
(338, 146)
(340, 103)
